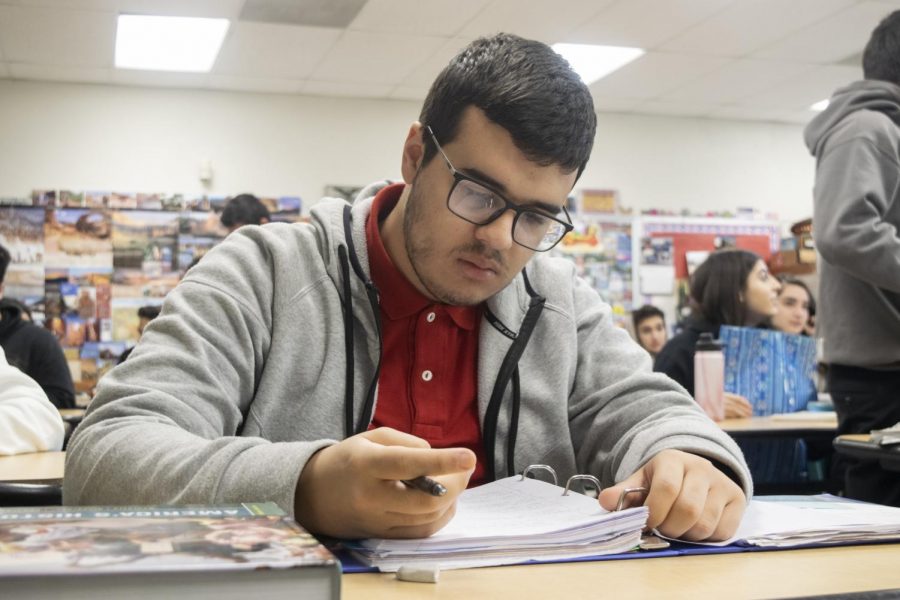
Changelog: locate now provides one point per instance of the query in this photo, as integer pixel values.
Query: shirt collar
(403, 299)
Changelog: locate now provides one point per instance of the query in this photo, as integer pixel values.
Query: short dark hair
(149, 312)
(645, 312)
(881, 58)
(523, 86)
(786, 280)
(244, 209)
(5, 259)
(718, 284)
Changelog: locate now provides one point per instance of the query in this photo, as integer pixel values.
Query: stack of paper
(787, 521)
(510, 521)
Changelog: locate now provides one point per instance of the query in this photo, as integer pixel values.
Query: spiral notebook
(510, 521)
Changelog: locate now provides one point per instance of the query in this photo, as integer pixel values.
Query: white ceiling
(732, 59)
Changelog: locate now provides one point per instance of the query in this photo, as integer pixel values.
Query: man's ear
(413, 152)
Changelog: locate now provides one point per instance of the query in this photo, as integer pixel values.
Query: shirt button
(430, 317)
(427, 375)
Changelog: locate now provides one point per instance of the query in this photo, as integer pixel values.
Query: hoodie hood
(868, 94)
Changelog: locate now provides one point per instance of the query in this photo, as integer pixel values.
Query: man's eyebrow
(484, 178)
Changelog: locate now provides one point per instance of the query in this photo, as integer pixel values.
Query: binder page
(526, 510)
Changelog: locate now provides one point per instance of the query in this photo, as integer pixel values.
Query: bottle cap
(708, 343)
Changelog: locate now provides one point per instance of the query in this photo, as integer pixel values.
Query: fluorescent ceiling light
(819, 106)
(168, 43)
(595, 62)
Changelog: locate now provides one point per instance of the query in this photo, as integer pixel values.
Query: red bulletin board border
(762, 240)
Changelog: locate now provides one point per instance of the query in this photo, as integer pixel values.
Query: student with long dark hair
(732, 287)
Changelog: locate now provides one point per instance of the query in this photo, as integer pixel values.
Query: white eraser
(419, 574)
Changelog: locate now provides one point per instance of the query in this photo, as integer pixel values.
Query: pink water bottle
(709, 376)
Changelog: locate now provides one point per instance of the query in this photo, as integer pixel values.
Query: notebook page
(513, 508)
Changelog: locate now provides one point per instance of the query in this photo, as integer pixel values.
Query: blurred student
(244, 209)
(650, 328)
(856, 212)
(145, 315)
(28, 421)
(732, 287)
(796, 306)
(34, 350)
(24, 311)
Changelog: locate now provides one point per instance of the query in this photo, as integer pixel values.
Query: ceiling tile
(107, 5)
(425, 73)
(159, 78)
(736, 80)
(831, 39)
(254, 84)
(434, 17)
(57, 37)
(654, 74)
(4, 72)
(54, 73)
(405, 92)
(547, 20)
(799, 93)
(751, 113)
(362, 57)
(331, 88)
(221, 9)
(679, 109)
(746, 26)
(643, 23)
(279, 51)
(607, 104)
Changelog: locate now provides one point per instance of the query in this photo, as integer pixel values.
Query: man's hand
(737, 407)
(353, 489)
(689, 498)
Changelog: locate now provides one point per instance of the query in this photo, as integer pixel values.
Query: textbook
(227, 551)
(510, 521)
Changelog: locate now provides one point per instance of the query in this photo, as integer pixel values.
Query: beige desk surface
(827, 422)
(37, 465)
(745, 575)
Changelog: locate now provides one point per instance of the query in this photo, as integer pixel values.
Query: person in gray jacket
(300, 363)
(856, 218)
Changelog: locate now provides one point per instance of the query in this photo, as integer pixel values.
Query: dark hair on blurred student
(34, 350)
(731, 287)
(145, 315)
(650, 328)
(244, 209)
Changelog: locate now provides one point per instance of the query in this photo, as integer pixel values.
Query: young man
(418, 328)
(34, 350)
(244, 209)
(650, 328)
(856, 142)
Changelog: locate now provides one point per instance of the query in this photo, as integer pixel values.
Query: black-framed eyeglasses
(480, 204)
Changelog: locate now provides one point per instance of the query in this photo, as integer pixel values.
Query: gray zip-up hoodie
(856, 224)
(244, 376)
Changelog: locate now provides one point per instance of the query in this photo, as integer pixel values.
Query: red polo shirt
(428, 384)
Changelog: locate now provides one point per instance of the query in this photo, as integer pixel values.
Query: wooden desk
(858, 446)
(35, 466)
(743, 575)
(782, 425)
(72, 415)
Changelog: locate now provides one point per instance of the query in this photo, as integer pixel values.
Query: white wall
(83, 137)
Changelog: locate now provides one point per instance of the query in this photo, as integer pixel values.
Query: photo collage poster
(601, 252)
(84, 262)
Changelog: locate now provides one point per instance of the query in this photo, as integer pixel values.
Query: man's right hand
(353, 489)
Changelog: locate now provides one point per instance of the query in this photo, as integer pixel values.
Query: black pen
(425, 484)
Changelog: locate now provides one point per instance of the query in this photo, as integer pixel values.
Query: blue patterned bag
(774, 371)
